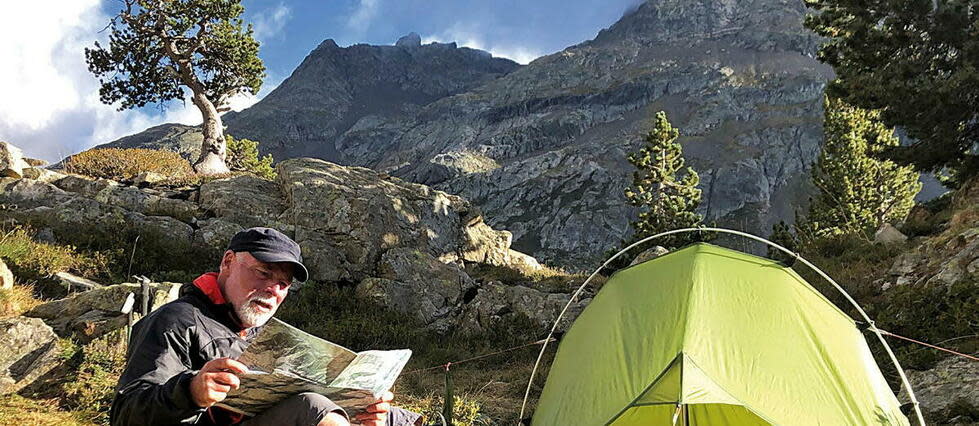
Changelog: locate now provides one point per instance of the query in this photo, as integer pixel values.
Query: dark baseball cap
(270, 246)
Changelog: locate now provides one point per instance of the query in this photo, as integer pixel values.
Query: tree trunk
(213, 149)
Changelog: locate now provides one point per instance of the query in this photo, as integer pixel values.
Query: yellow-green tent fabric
(711, 336)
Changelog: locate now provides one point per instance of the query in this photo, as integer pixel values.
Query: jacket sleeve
(154, 388)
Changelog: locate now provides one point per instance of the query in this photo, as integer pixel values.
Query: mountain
(542, 148)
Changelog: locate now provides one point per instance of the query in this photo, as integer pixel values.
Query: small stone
(12, 162)
(888, 234)
(6, 277)
(148, 179)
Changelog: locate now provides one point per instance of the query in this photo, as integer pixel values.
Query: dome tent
(711, 336)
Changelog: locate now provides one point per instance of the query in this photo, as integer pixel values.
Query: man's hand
(215, 379)
(377, 413)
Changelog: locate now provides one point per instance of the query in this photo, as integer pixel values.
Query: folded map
(284, 361)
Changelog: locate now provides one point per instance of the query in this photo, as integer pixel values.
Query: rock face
(337, 89)
(30, 349)
(414, 282)
(948, 393)
(541, 149)
(402, 244)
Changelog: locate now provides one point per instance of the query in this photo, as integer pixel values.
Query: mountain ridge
(541, 148)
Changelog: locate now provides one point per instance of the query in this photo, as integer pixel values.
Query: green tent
(711, 336)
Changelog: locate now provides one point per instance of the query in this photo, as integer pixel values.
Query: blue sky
(49, 104)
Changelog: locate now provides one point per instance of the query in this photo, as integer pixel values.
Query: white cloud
(361, 19)
(50, 104)
(269, 24)
(466, 37)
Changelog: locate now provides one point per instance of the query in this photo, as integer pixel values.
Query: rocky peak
(410, 40)
(755, 24)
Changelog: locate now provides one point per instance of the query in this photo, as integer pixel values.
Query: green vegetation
(126, 164)
(856, 192)
(32, 260)
(96, 367)
(243, 157)
(158, 49)
(917, 63)
(781, 235)
(546, 279)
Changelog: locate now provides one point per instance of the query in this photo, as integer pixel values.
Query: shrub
(243, 157)
(93, 385)
(465, 409)
(125, 164)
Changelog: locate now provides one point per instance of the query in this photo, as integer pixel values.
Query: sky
(49, 102)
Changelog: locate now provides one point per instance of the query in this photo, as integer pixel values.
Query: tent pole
(863, 314)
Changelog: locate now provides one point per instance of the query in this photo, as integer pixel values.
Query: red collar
(208, 283)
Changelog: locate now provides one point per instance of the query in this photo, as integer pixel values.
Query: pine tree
(781, 235)
(158, 50)
(916, 62)
(664, 190)
(856, 192)
(243, 157)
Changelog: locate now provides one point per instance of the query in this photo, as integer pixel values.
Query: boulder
(494, 302)
(347, 217)
(246, 200)
(35, 162)
(942, 260)
(6, 277)
(90, 314)
(416, 283)
(30, 349)
(947, 393)
(649, 254)
(75, 282)
(888, 234)
(43, 175)
(12, 162)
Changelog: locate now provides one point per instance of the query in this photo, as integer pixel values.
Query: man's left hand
(377, 413)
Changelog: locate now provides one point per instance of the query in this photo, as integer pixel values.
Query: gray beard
(250, 316)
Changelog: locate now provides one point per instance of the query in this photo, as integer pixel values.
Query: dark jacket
(166, 349)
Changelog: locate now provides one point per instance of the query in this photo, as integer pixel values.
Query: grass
(17, 300)
(18, 410)
(546, 279)
(29, 259)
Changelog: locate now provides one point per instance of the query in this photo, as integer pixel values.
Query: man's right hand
(214, 380)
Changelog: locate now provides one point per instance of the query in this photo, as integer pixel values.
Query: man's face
(254, 288)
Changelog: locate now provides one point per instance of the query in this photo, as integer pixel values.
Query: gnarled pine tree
(664, 190)
(856, 192)
(160, 48)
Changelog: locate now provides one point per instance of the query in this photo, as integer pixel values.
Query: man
(181, 358)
